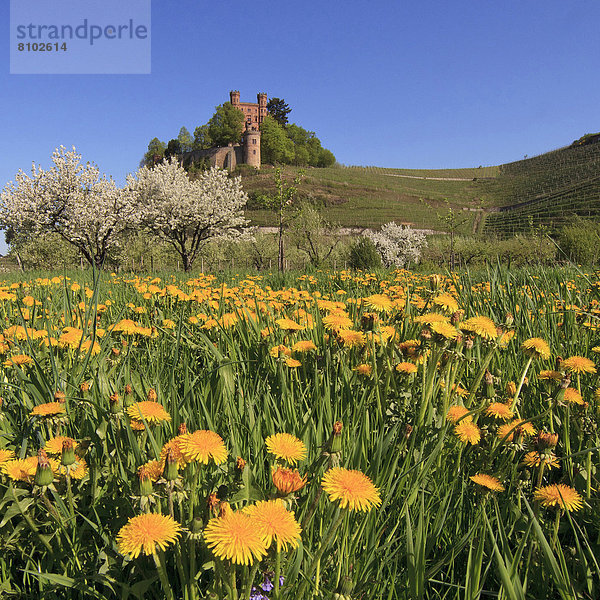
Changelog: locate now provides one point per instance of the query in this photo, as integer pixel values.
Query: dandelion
(468, 432)
(536, 458)
(457, 412)
(499, 410)
(147, 533)
(578, 364)
(286, 447)
(446, 302)
(276, 523)
(516, 427)
(379, 302)
(48, 409)
(559, 495)
(150, 411)
(202, 445)
(550, 375)
(236, 537)
(445, 330)
(406, 368)
(287, 481)
(292, 363)
(303, 346)
(55, 445)
(352, 488)
(351, 338)
(536, 348)
(18, 360)
(482, 326)
(487, 481)
(572, 396)
(363, 369)
(289, 325)
(337, 321)
(6, 455)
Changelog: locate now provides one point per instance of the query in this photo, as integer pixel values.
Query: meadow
(344, 435)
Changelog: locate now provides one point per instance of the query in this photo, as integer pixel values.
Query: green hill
(548, 190)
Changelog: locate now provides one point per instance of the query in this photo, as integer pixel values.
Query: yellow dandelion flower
(153, 469)
(202, 445)
(6, 455)
(379, 302)
(280, 350)
(289, 325)
(578, 364)
(337, 322)
(553, 375)
(174, 446)
(456, 412)
(488, 481)
(147, 533)
(520, 428)
(406, 368)
(276, 523)
(431, 318)
(446, 302)
(535, 459)
(536, 348)
(286, 447)
(351, 338)
(55, 445)
(18, 360)
(559, 495)
(152, 412)
(468, 432)
(499, 410)
(352, 488)
(303, 346)
(292, 363)
(445, 330)
(572, 396)
(363, 369)
(236, 537)
(48, 409)
(481, 326)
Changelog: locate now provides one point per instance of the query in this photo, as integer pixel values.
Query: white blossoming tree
(71, 199)
(398, 245)
(187, 213)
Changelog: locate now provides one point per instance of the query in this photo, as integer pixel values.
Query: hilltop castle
(248, 150)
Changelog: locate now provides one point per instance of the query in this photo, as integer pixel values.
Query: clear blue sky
(435, 83)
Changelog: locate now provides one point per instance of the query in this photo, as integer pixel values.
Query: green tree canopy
(275, 145)
(202, 138)
(279, 110)
(173, 148)
(186, 142)
(226, 125)
(155, 152)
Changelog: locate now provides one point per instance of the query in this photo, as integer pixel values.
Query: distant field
(372, 196)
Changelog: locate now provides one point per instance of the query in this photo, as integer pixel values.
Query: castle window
(253, 151)
(254, 140)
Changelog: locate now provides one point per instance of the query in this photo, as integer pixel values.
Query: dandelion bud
(128, 390)
(509, 319)
(426, 334)
(240, 463)
(511, 389)
(84, 387)
(115, 404)
(368, 321)
(212, 502)
(489, 385)
(469, 343)
(145, 482)
(59, 396)
(224, 509)
(546, 440)
(336, 437)
(456, 317)
(287, 480)
(196, 526)
(152, 395)
(170, 472)
(182, 430)
(435, 281)
(43, 473)
(67, 456)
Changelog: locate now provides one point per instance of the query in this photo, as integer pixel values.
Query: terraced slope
(546, 190)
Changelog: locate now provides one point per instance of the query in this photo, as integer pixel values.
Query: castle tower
(262, 106)
(234, 97)
(252, 146)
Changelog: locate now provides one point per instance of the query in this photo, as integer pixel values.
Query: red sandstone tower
(254, 114)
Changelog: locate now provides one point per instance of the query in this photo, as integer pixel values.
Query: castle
(248, 151)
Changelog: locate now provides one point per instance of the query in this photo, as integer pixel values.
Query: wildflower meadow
(341, 435)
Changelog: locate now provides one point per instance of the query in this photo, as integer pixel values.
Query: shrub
(398, 245)
(580, 241)
(363, 255)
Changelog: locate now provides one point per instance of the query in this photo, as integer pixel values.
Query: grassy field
(388, 435)
(370, 197)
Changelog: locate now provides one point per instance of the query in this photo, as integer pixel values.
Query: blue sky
(403, 84)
